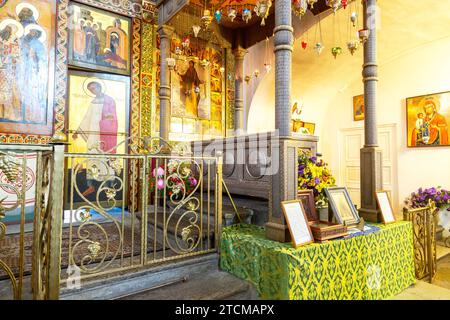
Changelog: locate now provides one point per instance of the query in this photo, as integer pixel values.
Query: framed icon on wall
(358, 108)
(99, 40)
(27, 54)
(427, 119)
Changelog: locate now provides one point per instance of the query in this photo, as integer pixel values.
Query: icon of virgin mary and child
(430, 127)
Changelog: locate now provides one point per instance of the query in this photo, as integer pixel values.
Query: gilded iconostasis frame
(143, 72)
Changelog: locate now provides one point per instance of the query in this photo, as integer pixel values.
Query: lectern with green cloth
(378, 265)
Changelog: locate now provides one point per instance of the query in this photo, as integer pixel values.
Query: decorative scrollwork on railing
(187, 204)
(9, 166)
(3, 210)
(93, 252)
(424, 239)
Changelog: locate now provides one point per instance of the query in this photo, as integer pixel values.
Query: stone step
(114, 286)
(215, 285)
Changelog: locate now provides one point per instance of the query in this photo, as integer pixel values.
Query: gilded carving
(148, 43)
(135, 81)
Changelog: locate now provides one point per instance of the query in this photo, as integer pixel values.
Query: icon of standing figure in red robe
(99, 129)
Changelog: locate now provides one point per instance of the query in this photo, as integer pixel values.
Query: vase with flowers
(441, 198)
(314, 174)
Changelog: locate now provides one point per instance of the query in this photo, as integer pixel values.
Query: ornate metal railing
(66, 217)
(30, 220)
(125, 211)
(424, 239)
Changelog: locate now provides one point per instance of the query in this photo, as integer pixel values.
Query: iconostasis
(202, 85)
(93, 75)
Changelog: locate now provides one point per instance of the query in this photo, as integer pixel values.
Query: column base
(371, 182)
(370, 215)
(278, 232)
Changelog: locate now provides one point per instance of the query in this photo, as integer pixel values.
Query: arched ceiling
(402, 27)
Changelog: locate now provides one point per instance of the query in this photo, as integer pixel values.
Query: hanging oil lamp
(363, 35)
(335, 51)
(247, 79)
(232, 14)
(204, 63)
(262, 10)
(319, 48)
(352, 46)
(333, 4)
(299, 7)
(304, 44)
(311, 3)
(256, 73)
(246, 15)
(186, 42)
(196, 28)
(218, 15)
(222, 70)
(268, 67)
(344, 4)
(206, 18)
(354, 18)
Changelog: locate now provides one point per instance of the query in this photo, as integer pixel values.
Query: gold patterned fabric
(378, 265)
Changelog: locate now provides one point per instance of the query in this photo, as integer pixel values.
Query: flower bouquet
(315, 175)
(441, 199)
(176, 181)
(421, 197)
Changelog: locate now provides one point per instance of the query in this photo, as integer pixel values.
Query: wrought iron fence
(30, 198)
(125, 211)
(424, 239)
(66, 218)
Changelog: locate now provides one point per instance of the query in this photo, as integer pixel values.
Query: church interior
(278, 149)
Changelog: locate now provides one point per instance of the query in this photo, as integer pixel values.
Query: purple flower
(316, 180)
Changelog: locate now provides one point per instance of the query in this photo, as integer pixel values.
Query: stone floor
(439, 289)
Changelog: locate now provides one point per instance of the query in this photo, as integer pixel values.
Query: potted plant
(315, 175)
(441, 198)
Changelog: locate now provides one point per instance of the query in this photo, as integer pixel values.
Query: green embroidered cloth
(378, 265)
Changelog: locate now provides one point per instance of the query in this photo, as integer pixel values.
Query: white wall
(413, 60)
(420, 71)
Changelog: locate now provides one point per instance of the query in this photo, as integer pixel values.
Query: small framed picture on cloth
(387, 213)
(297, 222)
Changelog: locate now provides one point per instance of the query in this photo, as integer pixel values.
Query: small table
(377, 265)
